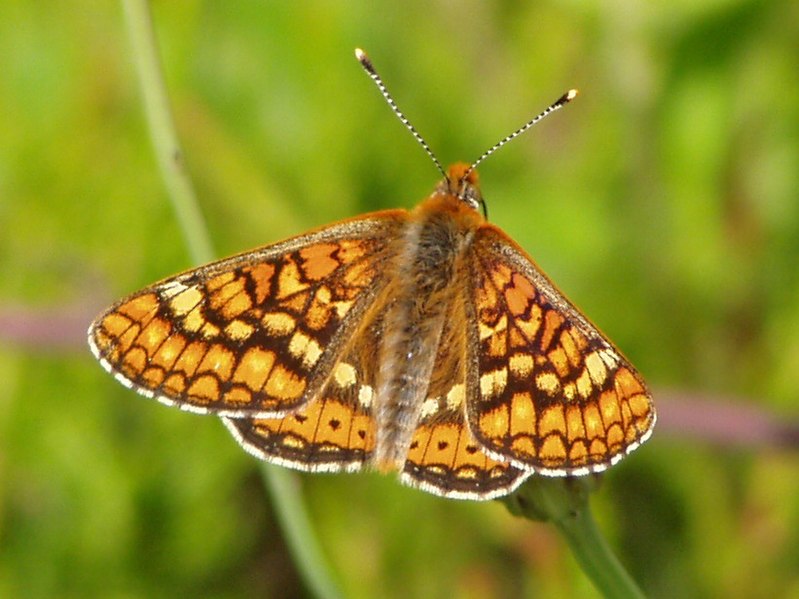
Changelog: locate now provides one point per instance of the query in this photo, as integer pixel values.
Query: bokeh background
(663, 201)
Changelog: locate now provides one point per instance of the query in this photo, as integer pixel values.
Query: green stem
(285, 492)
(162, 130)
(282, 485)
(564, 502)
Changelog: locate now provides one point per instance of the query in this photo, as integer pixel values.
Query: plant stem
(564, 503)
(162, 130)
(284, 489)
(281, 485)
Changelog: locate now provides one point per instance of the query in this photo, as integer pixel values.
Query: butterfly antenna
(370, 70)
(564, 99)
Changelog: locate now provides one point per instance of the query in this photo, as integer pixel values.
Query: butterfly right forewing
(555, 396)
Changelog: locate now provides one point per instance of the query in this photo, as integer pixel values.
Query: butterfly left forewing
(255, 334)
(555, 396)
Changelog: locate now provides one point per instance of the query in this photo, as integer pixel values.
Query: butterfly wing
(555, 396)
(252, 335)
(336, 431)
(444, 457)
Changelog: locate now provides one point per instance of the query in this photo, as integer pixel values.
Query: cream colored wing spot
(365, 395)
(238, 330)
(210, 331)
(183, 302)
(596, 368)
(521, 365)
(345, 375)
(609, 357)
(430, 407)
(169, 290)
(493, 383)
(193, 320)
(305, 348)
(279, 324)
(548, 383)
(456, 396)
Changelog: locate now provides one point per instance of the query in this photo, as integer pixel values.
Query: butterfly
(423, 342)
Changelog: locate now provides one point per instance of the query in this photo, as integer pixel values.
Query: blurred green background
(663, 201)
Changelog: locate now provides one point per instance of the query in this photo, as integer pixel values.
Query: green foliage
(663, 201)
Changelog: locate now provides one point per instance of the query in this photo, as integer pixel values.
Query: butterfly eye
(471, 195)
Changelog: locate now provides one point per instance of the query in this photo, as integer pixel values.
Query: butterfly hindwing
(334, 431)
(444, 457)
(555, 396)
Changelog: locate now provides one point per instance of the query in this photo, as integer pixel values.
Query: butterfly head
(462, 182)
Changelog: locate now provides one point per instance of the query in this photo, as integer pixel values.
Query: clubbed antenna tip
(370, 70)
(367, 65)
(564, 99)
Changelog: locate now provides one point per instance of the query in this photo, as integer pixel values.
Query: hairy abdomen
(422, 299)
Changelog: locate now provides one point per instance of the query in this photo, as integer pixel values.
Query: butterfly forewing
(256, 334)
(555, 396)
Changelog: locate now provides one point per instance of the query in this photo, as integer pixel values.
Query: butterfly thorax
(428, 279)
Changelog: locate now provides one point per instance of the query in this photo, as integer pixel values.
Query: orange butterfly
(424, 342)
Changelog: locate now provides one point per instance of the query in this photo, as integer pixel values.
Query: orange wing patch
(328, 435)
(445, 459)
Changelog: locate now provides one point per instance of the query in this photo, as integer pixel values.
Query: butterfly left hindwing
(335, 431)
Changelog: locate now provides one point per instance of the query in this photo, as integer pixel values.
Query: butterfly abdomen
(425, 280)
